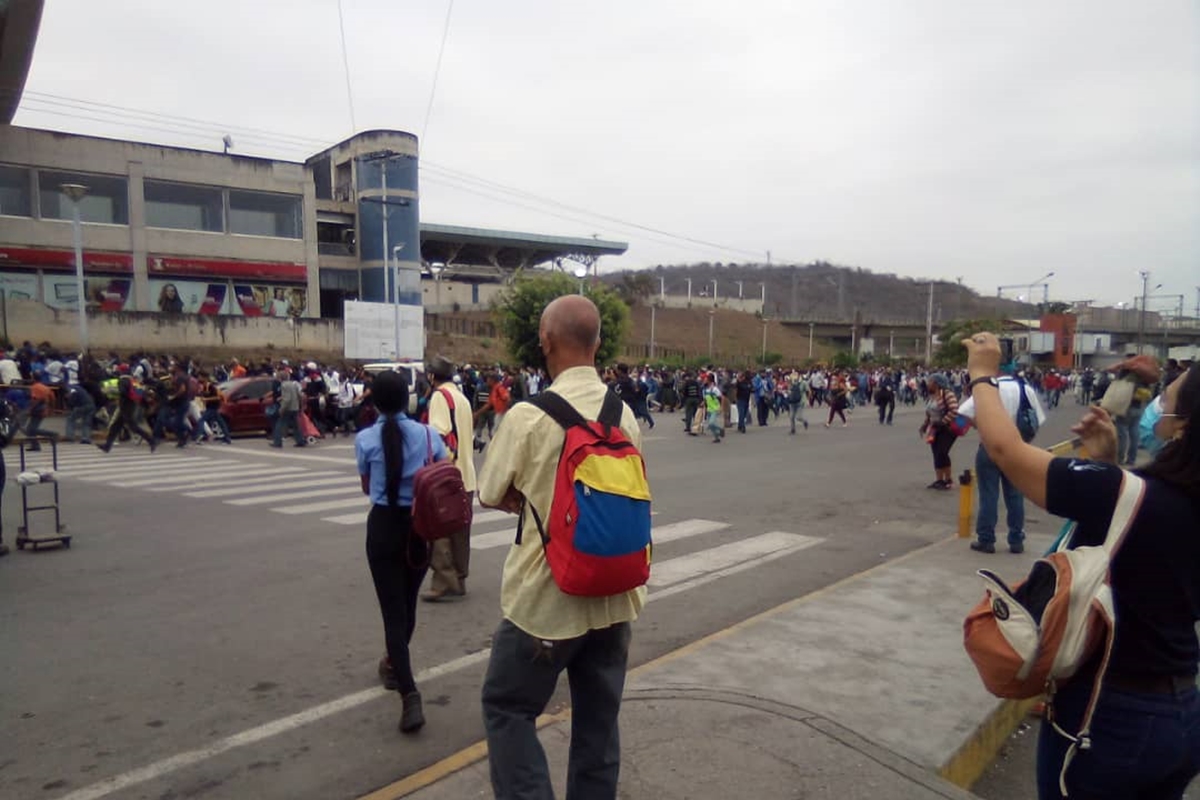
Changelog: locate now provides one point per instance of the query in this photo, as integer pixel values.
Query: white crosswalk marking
(715, 559)
(292, 489)
(107, 474)
(682, 530)
(198, 474)
(301, 481)
(314, 508)
(282, 498)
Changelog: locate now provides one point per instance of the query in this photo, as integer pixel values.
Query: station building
(180, 230)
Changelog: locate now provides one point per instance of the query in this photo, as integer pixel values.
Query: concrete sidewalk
(862, 689)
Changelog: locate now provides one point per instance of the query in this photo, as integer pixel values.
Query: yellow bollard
(966, 497)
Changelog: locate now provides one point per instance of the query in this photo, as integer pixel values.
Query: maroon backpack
(441, 504)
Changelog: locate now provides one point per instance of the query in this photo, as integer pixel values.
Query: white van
(413, 371)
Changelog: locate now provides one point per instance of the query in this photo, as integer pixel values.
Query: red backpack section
(597, 535)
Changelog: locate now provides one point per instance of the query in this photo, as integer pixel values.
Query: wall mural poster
(102, 294)
(19, 285)
(256, 300)
(188, 297)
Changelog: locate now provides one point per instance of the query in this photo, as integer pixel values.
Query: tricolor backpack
(596, 536)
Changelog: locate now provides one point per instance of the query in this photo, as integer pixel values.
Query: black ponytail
(390, 392)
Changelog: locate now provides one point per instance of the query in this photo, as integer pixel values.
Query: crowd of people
(461, 409)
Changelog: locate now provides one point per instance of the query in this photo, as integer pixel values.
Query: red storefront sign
(223, 268)
(93, 260)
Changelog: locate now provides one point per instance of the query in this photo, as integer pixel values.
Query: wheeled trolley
(45, 477)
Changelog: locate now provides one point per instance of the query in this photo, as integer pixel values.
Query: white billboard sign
(370, 331)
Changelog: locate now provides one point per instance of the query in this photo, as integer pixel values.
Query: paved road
(212, 632)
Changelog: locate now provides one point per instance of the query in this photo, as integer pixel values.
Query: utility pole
(653, 309)
(76, 192)
(764, 350)
(796, 283)
(711, 314)
(662, 288)
(929, 328)
(1142, 317)
(810, 338)
(689, 282)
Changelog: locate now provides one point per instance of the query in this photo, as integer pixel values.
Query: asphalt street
(213, 632)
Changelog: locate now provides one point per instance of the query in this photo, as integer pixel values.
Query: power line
(346, 67)
(197, 128)
(436, 70)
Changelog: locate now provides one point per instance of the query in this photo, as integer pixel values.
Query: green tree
(518, 313)
(844, 359)
(950, 352)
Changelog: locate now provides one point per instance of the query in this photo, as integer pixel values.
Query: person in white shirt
(10, 373)
(991, 481)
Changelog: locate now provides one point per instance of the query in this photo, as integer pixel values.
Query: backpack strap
(1133, 489)
(554, 406)
(453, 420)
(610, 412)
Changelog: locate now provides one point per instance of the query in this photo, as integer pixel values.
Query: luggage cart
(60, 536)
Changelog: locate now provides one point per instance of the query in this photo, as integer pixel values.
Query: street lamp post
(76, 192)
(395, 272)
(764, 350)
(689, 283)
(714, 291)
(810, 338)
(581, 273)
(1145, 274)
(711, 314)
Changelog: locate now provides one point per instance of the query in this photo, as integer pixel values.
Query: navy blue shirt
(1156, 573)
(418, 439)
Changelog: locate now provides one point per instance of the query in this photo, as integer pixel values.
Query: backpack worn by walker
(1027, 639)
(597, 534)
(441, 505)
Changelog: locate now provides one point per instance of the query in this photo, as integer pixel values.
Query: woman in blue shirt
(389, 453)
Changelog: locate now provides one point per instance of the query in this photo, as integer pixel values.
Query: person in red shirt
(40, 398)
(499, 399)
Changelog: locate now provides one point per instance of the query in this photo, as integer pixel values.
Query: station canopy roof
(466, 252)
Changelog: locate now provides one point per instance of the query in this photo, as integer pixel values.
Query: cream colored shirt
(524, 455)
(439, 420)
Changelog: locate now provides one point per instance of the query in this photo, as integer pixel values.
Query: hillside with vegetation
(822, 290)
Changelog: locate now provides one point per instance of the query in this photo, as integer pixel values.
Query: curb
(972, 759)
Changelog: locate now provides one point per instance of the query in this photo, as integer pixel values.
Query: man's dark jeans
(689, 414)
(521, 677)
(743, 413)
(288, 420)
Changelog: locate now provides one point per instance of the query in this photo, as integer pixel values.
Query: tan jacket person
(450, 559)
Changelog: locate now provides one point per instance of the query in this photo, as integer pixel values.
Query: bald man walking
(545, 631)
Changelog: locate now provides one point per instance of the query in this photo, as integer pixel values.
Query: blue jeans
(1144, 746)
(81, 417)
(521, 677)
(1127, 436)
(991, 481)
(798, 413)
(285, 420)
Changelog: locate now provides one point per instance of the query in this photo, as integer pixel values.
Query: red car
(244, 404)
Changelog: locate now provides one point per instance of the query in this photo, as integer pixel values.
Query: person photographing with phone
(1145, 732)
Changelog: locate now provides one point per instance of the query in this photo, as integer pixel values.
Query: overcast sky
(931, 138)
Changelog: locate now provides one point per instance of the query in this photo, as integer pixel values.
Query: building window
(183, 206)
(107, 200)
(15, 192)
(262, 214)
